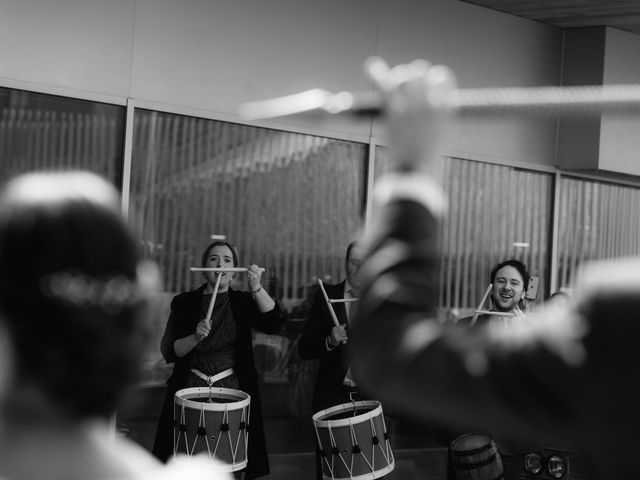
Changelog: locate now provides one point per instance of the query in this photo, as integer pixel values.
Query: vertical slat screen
(495, 213)
(597, 221)
(289, 202)
(45, 132)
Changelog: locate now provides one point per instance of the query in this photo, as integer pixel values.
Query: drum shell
(476, 457)
(227, 445)
(338, 429)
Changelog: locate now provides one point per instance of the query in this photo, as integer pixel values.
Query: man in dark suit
(569, 371)
(324, 340)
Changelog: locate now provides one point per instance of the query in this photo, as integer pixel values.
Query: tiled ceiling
(622, 14)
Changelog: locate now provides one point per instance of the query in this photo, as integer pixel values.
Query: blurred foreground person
(568, 372)
(72, 287)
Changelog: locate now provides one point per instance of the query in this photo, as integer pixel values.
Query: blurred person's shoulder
(144, 466)
(199, 467)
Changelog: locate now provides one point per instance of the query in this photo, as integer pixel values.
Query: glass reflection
(47, 132)
(289, 202)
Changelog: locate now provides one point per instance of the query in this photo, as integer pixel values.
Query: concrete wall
(81, 45)
(583, 64)
(601, 56)
(211, 55)
(620, 136)
(486, 49)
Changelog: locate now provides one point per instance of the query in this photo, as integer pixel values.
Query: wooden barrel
(476, 457)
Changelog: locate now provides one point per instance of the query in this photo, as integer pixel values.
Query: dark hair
(220, 243)
(348, 255)
(518, 265)
(69, 290)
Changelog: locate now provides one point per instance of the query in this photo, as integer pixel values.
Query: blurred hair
(69, 289)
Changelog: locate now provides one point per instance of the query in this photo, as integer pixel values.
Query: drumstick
(222, 269)
(343, 300)
(326, 298)
(498, 314)
(213, 300)
(218, 237)
(478, 310)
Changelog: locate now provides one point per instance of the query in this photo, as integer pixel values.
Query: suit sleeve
(446, 373)
(266, 322)
(312, 343)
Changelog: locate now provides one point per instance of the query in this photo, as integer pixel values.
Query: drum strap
(213, 378)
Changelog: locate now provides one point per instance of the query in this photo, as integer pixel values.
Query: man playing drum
(508, 287)
(324, 340)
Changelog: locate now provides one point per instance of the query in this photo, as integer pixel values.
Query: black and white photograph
(319, 240)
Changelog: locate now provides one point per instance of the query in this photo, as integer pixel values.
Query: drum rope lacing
(335, 450)
(202, 431)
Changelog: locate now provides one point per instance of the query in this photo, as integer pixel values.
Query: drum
(213, 420)
(476, 457)
(353, 441)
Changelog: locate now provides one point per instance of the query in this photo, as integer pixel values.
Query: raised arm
(402, 354)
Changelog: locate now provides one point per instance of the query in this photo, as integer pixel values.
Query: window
(597, 221)
(45, 132)
(289, 202)
(495, 213)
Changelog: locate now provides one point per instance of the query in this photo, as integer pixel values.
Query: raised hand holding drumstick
(420, 108)
(262, 298)
(338, 335)
(254, 276)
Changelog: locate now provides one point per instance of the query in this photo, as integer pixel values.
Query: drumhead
(234, 399)
(372, 408)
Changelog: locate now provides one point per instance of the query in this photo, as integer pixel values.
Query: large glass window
(597, 221)
(289, 202)
(495, 213)
(46, 132)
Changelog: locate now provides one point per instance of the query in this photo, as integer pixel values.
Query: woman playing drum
(220, 347)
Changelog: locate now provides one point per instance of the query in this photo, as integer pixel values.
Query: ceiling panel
(622, 14)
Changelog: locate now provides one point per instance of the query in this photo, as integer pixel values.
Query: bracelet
(254, 292)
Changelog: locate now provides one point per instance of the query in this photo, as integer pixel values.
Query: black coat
(333, 364)
(184, 317)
